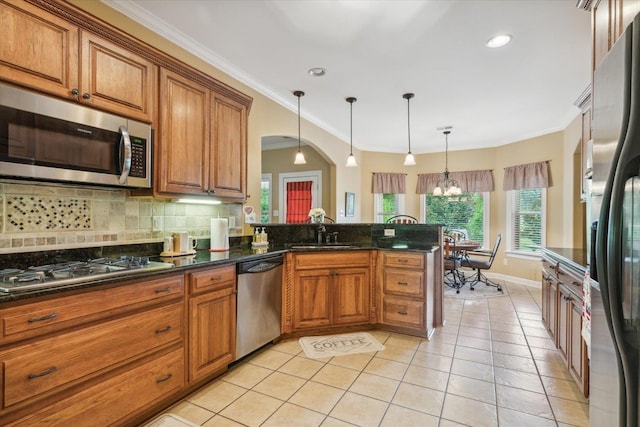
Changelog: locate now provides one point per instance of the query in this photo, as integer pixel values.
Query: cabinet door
(312, 299)
(545, 300)
(578, 360)
(212, 336)
(351, 295)
(553, 310)
(564, 330)
(228, 162)
(115, 79)
(38, 49)
(601, 31)
(183, 144)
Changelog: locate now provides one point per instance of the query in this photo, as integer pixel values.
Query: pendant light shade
(351, 160)
(300, 160)
(409, 160)
(446, 186)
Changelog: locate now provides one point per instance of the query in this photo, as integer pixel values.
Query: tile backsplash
(36, 217)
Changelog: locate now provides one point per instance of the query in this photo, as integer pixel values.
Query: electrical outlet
(505, 261)
(157, 223)
(389, 232)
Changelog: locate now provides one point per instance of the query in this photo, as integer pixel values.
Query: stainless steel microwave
(43, 138)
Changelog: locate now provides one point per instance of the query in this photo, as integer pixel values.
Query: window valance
(386, 183)
(531, 175)
(470, 181)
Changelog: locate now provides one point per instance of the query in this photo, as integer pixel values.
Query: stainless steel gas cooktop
(73, 272)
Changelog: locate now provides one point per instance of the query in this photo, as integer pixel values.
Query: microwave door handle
(125, 147)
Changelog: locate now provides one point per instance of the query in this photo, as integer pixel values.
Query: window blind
(527, 212)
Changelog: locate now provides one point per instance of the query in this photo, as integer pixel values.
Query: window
(468, 212)
(387, 205)
(265, 198)
(526, 216)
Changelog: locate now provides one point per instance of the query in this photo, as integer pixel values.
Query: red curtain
(298, 201)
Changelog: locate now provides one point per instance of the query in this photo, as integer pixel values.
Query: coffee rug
(481, 291)
(339, 345)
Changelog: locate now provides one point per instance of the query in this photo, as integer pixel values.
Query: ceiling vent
(585, 4)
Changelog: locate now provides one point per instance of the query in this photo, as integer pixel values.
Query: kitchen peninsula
(377, 276)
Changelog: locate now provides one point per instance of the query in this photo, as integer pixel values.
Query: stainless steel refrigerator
(615, 203)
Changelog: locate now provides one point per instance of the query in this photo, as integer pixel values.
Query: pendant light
(446, 186)
(300, 160)
(409, 160)
(351, 160)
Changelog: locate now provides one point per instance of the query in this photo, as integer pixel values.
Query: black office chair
(482, 260)
(402, 219)
(452, 276)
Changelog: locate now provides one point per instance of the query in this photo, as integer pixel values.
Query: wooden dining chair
(402, 219)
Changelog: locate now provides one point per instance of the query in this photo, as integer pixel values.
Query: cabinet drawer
(34, 319)
(62, 360)
(332, 259)
(212, 279)
(403, 312)
(403, 259)
(404, 282)
(114, 399)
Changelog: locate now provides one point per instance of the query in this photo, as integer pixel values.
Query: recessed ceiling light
(317, 72)
(499, 40)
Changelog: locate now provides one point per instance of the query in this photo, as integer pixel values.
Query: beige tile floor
(491, 365)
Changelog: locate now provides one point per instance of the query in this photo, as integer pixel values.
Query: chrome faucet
(321, 232)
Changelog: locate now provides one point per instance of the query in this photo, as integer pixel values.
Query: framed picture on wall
(349, 204)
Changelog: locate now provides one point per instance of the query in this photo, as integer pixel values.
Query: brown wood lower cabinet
(115, 400)
(562, 318)
(212, 321)
(71, 359)
(327, 289)
(406, 289)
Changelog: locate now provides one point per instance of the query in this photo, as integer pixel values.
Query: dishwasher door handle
(262, 267)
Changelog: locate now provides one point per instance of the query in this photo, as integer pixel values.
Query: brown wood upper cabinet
(609, 20)
(45, 52)
(201, 148)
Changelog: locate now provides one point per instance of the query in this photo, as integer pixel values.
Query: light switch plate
(232, 222)
(389, 232)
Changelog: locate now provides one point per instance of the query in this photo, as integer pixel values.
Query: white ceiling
(378, 50)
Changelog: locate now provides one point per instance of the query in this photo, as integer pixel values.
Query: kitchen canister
(219, 234)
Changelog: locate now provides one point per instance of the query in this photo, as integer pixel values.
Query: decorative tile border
(36, 217)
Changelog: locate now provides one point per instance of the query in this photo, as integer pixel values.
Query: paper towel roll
(219, 234)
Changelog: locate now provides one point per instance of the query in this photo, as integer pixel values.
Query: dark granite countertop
(572, 261)
(205, 258)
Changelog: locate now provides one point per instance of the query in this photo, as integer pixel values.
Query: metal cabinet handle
(51, 370)
(167, 289)
(163, 330)
(402, 283)
(214, 278)
(163, 379)
(75, 92)
(40, 319)
(86, 95)
(402, 260)
(402, 313)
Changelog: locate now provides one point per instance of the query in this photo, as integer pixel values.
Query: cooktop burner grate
(74, 272)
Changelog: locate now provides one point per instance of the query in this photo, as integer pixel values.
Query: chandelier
(446, 186)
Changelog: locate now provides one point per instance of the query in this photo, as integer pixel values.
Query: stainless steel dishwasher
(259, 303)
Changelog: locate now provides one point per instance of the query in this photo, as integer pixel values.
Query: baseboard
(513, 279)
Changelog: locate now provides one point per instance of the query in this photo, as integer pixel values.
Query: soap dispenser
(263, 236)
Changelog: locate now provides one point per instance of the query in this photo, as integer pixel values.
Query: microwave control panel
(138, 157)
